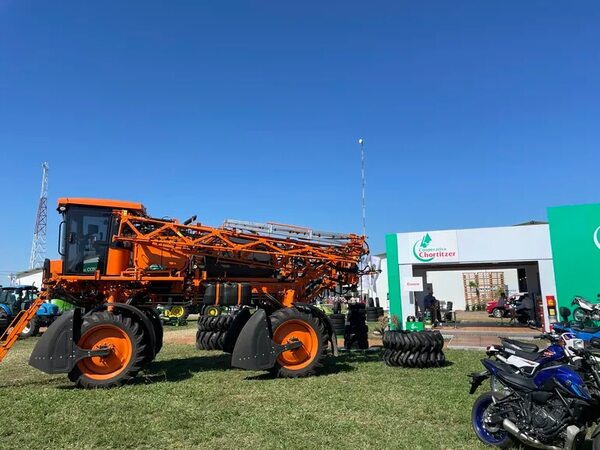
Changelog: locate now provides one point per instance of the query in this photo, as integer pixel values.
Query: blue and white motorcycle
(551, 409)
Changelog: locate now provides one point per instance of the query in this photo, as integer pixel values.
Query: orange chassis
(141, 260)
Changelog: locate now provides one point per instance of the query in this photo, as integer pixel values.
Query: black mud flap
(254, 349)
(56, 351)
(233, 333)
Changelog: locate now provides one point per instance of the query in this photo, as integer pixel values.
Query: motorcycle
(586, 311)
(550, 410)
(526, 358)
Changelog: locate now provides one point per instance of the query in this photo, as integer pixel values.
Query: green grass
(192, 399)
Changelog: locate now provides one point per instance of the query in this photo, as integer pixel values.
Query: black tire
(504, 440)
(372, 314)
(210, 340)
(580, 315)
(133, 334)
(31, 329)
(424, 360)
(402, 358)
(441, 359)
(213, 341)
(433, 362)
(497, 313)
(214, 323)
(386, 356)
(308, 322)
(154, 318)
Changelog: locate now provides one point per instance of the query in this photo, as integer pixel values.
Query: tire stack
(372, 314)
(356, 335)
(211, 332)
(339, 323)
(380, 311)
(422, 349)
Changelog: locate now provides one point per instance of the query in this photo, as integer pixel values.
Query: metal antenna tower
(38, 246)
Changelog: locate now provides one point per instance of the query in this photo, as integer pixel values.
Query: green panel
(391, 249)
(575, 236)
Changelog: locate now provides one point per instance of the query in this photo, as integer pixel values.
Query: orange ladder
(10, 335)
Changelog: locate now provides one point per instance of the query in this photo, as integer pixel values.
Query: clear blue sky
(474, 113)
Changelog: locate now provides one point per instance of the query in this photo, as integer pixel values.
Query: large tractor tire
(31, 329)
(288, 325)
(123, 336)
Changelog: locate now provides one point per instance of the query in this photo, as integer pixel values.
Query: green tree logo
(422, 244)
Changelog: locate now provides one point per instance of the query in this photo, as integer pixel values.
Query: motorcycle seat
(590, 330)
(529, 356)
(520, 345)
(519, 381)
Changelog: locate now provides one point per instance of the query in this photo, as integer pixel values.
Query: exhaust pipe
(514, 430)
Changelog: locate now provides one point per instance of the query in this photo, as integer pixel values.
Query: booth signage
(433, 247)
(413, 284)
(575, 237)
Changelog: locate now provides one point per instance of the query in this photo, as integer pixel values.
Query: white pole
(363, 183)
(363, 207)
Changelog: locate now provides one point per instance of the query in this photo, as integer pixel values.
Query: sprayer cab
(86, 233)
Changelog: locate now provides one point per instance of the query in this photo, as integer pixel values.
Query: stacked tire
(413, 349)
(356, 335)
(211, 332)
(372, 314)
(339, 323)
(380, 311)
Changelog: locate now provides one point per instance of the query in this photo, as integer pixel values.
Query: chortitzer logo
(597, 237)
(424, 253)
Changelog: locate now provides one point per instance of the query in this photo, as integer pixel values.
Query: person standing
(430, 303)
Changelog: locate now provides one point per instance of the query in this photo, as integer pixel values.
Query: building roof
(532, 222)
(28, 272)
(115, 204)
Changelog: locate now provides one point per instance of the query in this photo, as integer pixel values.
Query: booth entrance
(469, 268)
(463, 304)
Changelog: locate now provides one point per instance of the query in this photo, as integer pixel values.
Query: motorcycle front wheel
(580, 315)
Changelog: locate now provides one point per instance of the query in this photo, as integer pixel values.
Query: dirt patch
(186, 336)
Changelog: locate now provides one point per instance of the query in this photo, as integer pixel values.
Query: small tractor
(19, 298)
(118, 263)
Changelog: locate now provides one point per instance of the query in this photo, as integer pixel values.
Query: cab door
(86, 238)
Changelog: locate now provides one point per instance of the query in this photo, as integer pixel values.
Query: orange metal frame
(297, 263)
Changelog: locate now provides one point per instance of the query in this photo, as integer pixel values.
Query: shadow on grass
(41, 382)
(173, 370)
(331, 365)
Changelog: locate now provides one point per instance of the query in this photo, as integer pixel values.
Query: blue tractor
(15, 299)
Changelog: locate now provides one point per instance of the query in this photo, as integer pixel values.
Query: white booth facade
(441, 258)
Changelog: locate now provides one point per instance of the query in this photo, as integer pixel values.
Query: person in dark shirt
(431, 305)
(429, 300)
(502, 301)
(525, 307)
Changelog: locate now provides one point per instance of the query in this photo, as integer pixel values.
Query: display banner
(575, 237)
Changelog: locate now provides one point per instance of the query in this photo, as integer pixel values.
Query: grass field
(192, 399)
